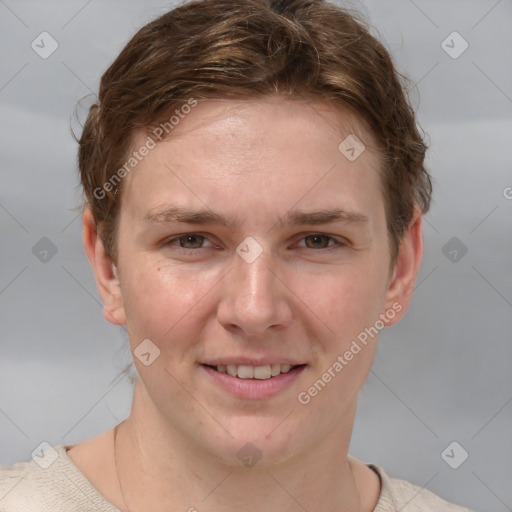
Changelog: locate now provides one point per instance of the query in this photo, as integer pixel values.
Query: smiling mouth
(265, 372)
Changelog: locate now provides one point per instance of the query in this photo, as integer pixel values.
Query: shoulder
(397, 494)
(48, 483)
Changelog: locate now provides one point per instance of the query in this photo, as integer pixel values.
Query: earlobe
(105, 272)
(406, 268)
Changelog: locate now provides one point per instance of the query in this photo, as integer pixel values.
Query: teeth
(262, 372)
(244, 371)
(275, 369)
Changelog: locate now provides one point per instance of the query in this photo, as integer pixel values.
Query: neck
(159, 470)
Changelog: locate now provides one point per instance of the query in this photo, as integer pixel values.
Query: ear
(407, 266)
(104, 270)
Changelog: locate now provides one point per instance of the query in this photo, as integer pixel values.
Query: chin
(262, 442)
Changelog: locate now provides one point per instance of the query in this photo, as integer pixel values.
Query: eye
(321, 241)
(188, 241)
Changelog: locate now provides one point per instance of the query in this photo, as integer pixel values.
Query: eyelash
(338, 243)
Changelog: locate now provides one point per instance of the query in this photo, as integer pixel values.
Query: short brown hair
(251, 49)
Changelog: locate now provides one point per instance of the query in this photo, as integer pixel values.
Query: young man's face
(268, 287)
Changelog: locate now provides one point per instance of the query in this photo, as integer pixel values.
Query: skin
(254, 160)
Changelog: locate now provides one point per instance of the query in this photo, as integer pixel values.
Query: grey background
(442, 375)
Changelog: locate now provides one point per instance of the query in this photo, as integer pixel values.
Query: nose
(255, 297)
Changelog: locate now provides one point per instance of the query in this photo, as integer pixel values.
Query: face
(249, 243)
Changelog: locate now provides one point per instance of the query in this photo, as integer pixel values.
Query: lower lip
(254, 389)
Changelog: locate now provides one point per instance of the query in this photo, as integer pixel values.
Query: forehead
(253, 121)
(267, 147)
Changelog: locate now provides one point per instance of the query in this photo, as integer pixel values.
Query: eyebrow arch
(174, 214)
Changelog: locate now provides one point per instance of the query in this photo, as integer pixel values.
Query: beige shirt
(62, 487)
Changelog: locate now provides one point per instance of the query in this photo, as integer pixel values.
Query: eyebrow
(174, 214)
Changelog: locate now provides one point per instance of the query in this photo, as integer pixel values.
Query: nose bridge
(253, 280)
(256, 276)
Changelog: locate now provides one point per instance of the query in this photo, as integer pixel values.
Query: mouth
(264, 372)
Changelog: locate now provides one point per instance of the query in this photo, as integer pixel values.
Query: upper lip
(250, 361)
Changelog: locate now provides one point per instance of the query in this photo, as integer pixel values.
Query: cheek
(349, 304)
(159, 296)
(345, 302)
